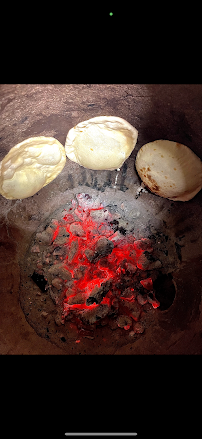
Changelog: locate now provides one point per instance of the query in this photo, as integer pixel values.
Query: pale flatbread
(29, 166)
(103, 142)
(170, 169)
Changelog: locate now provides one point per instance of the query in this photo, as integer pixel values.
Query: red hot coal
(100, 269)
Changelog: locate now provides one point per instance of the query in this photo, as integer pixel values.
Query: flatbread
(170, 169)
(29, 166)
(103, 142)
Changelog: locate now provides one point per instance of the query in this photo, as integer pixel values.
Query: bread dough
(170, 169)
(103, 142)
(29, 166)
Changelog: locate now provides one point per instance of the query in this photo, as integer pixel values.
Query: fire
(99, 259)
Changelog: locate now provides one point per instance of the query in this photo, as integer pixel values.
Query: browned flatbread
(170, 170)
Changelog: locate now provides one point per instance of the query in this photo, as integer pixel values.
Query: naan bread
(170, 169)
(103, 142)
(29, 166)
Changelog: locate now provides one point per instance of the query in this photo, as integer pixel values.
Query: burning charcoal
(55, 269)
(116, 238)
(61, 240)
(58, 251)
(141, 299)
(57, 283)
(69, 292)
(59, 269)
(76, 229)
(58, 319)
(44, 237)
(53, 295)
(134, 309)
(103, 248)
(39, 267)
(47, 258)
(89, 254)
(87, 202)
(130, 267)
(124, 322)
(113, 324)
(78, 298)
(152, 299)
(129, 293)
(39, 280)
(145, 264)
(100, 215)
(73, 250)
(147, 283)
(105, 229)
(69, 218)
(115, 302)
(63, 232)
(138, 327)
(78, 273)
(114, 223)
(98, 293)
(35, 249)
(49, 229)
(143, 244)
(93, 315)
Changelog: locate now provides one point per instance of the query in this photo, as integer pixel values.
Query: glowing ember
(99, 268)
(94, 271)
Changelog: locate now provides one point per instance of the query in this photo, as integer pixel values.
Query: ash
(95, 272)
